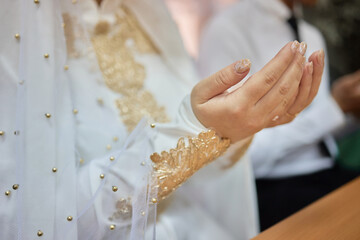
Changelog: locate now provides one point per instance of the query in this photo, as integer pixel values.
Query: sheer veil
(44, 35)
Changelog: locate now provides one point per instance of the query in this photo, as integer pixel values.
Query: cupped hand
(308, 88)
(272, 96)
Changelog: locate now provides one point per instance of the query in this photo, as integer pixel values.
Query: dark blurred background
(339, 21)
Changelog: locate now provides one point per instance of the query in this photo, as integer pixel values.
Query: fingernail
(242, 66)
(311, 67)
(275, 118)
(294, 46)
(302, 48)
(321, 56)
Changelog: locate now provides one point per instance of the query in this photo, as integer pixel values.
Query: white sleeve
(131, 172)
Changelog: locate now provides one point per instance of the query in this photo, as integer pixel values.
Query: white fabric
(257, 29)
(217, 203)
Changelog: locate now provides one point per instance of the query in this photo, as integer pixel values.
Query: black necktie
(293, 22)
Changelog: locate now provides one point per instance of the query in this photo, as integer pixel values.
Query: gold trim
(115, 47)
(174, 167)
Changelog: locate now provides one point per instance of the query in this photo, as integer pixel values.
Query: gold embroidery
(131, 29)
(72, 33)
(123, 209)
(122, 73)
(102, 27)
(176, 166)
(146, 106)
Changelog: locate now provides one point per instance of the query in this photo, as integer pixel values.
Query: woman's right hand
(272, 96)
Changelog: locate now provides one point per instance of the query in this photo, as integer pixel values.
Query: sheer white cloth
(62, 127)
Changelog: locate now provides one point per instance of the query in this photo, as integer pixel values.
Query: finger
(302, 100)
(284, 118)
(317, 58)
(280, 115)
(269, 75)
(285, 88)
(221, 81)
(281, 120)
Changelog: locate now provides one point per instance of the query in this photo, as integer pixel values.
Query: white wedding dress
(75, 82)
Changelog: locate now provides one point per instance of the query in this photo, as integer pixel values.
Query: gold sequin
(174, 167)
(46, 55)
(115, 139)
(122, 73)
(47, 115)
(108, 147)
(112, 158)
(75, 111)
(114, 188)
(54, 169)
(36, 1)
(40, 233)
(17, 36)
(154, 200)
(102, 176)
(2, 133)
(152, 125)
(66, 67)
(81, 161)
(15, 186)
(69, 218)
(7, 193)
(112, 227)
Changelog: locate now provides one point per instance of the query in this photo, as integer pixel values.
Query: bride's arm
(156, 161)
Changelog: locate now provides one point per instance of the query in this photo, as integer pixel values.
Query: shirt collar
(276, 7)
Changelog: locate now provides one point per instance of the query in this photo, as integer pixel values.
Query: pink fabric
(191, 16)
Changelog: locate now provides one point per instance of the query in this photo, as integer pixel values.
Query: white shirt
(257, 29)
(73, 201)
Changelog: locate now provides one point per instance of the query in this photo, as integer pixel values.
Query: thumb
(220, 81)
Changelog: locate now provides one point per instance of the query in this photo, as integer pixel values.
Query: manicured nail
(294, 46)
(321, 56)
(275, 118)
(242, 66)
(302, 48)
(311, 67)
